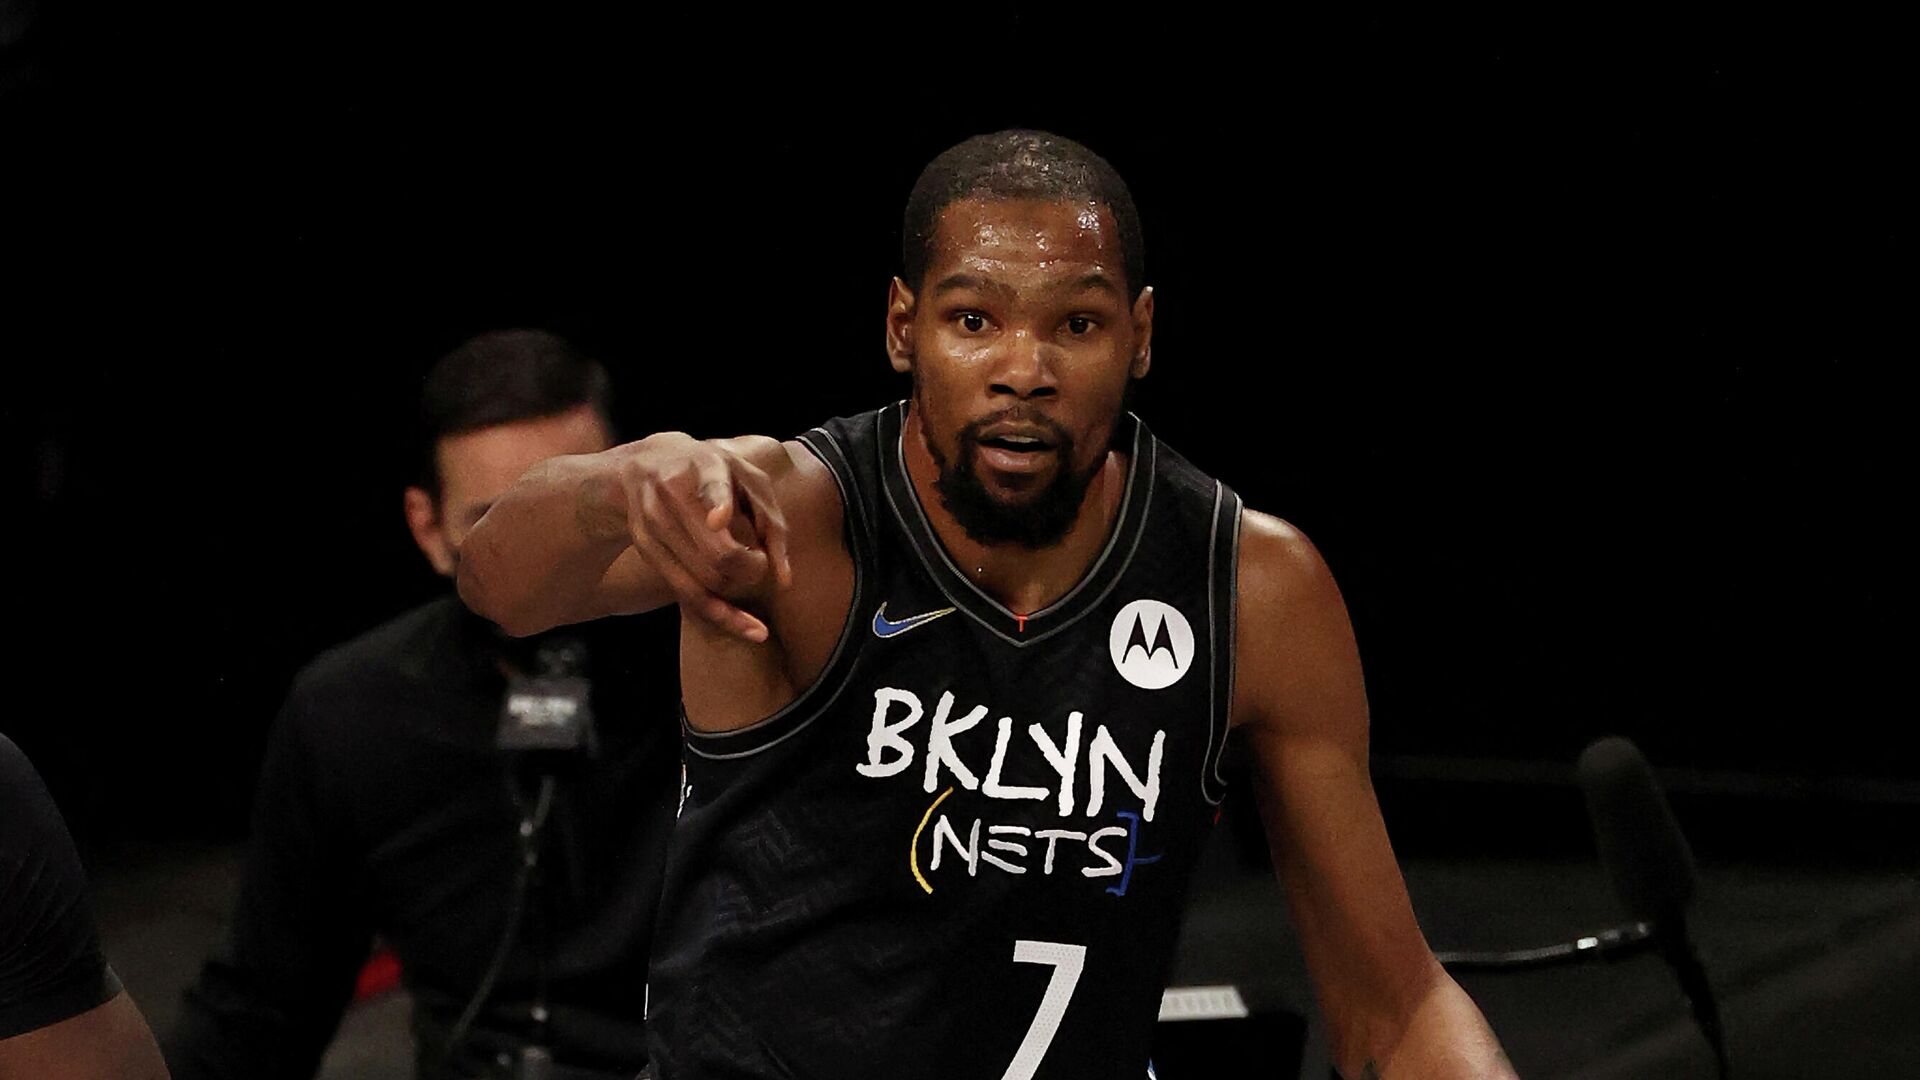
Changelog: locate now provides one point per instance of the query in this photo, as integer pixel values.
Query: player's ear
(429, 531)
(1142, 333)
(900, 302)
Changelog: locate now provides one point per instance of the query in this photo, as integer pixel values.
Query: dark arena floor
(1808, 920)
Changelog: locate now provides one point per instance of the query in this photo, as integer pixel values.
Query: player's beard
(1038, 521)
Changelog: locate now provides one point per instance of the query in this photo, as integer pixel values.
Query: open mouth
(1016, 453)
(1017, 444)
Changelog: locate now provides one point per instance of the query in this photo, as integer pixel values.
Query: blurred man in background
(495, 810)
(63, 1014)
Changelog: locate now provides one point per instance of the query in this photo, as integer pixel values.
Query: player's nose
(1024, 366)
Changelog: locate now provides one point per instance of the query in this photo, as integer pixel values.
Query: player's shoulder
(800, 466)
(807, 492)
(1295, 654)
(835, 462)
(795, 471)
(1278, 565)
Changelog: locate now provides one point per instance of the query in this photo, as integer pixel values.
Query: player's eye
(972, 322)
(1079, 324)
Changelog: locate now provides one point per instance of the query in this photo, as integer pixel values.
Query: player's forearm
(1444, 1038)
(540, 555)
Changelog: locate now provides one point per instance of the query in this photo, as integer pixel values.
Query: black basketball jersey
(962, 852)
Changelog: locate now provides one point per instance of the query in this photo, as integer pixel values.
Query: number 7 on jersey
(1067, 961)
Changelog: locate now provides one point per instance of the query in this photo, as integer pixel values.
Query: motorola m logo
(1138, 639)
(1151, 644)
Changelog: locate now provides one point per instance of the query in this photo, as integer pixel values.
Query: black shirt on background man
(384, 805)
(388, 806)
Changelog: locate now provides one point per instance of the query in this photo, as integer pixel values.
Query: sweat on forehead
(990, 230)
(1020, 165)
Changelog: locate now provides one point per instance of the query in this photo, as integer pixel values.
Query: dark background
(1572, 346)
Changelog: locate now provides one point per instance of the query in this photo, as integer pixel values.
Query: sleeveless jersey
(962, 852)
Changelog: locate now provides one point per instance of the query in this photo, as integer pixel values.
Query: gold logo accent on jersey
(913, 853)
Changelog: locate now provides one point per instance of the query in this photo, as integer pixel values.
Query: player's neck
(1022, 579)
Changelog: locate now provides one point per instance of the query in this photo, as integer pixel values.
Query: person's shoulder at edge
(51, 967)
(77, 1021)
(20, 785)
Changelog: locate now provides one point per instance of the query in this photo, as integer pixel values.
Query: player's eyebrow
(959, 281)
(1095, 280)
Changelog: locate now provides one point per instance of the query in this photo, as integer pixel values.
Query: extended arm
(1391, 1011)
(668, 518)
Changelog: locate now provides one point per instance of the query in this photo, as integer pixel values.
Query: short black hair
(1019, 164)
(500, 377)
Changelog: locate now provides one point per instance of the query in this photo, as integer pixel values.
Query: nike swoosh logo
(884, 627)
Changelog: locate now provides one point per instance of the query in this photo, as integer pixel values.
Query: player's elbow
(480, 589)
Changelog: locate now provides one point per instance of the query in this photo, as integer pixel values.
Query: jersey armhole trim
(797, 715)
(1223, 577)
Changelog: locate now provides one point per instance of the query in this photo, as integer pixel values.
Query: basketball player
(957, 674)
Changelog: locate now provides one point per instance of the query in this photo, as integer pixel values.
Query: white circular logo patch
(1151, 644)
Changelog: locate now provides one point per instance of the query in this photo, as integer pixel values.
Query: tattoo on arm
(1369, 1071)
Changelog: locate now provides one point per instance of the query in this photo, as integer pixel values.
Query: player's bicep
(1300, 702)
(1363, 946)
(1297, 664)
